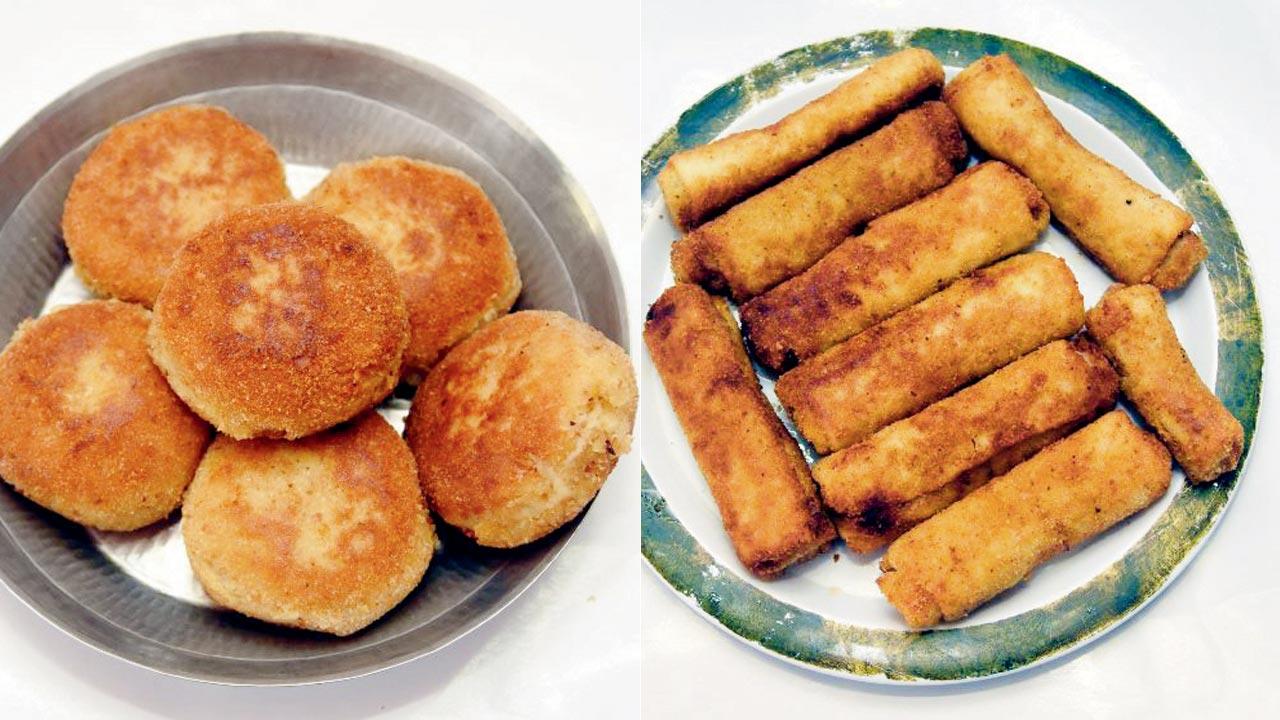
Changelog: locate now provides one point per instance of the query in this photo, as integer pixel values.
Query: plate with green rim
(827, 614)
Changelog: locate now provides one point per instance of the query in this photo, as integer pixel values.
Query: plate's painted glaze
(1134, 573)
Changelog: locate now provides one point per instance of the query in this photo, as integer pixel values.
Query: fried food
(1133, 328)
(865, 485)
(754, 468)
(325, 533)
(995, 538)
(1135, 234)
(778, 233)
(90, 429)
(863, 536)
(985, 214)
(516, 429)
(279, 321)
(896, 368)
(444, 239)
(701, 180)
(151, 184)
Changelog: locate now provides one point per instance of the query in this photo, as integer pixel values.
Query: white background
(1209, 646)
(570, 645)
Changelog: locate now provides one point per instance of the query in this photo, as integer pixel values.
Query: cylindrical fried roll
(1133, 327)
(866, 535)
(895, 368)
(770, 237)
(993, 539)
(1136, 235)
(754, 468)
(988, 212)
(867, 484)
(701, 180)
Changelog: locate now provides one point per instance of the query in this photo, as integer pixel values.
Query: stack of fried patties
(248, 339)
(964, 411)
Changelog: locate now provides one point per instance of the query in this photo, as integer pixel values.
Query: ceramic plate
(828, 614)
(320, 101)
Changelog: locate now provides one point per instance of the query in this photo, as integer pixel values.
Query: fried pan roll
(863, 536)
(987, 213)
(701, 180)
(867, 484)
(1133, 328)
(1134, 233)
(896, 368)
(776, 234)
(993, 539)
(754, 468)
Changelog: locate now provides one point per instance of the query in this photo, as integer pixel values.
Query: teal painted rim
(1019, 642)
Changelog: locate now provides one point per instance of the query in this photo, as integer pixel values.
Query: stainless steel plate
(320, 101)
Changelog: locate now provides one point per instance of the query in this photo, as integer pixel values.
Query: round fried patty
(444, 238)
(90, 428)
(518, 426)
(155, 181)
(279, 321)
(325, 533)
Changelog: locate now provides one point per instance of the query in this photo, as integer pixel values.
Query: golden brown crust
(1132, 326)
(993, 539)
(1061, 384)
(325, 533)
(869, 532)
(279, 321)
(1126, 227)
(155, 181)
(780, 232)
(701, 180)
(754, 468)
(516, 429)
(90, 429)
(899, 366)
(443, 237)
(985, 214)
(1180, 264)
